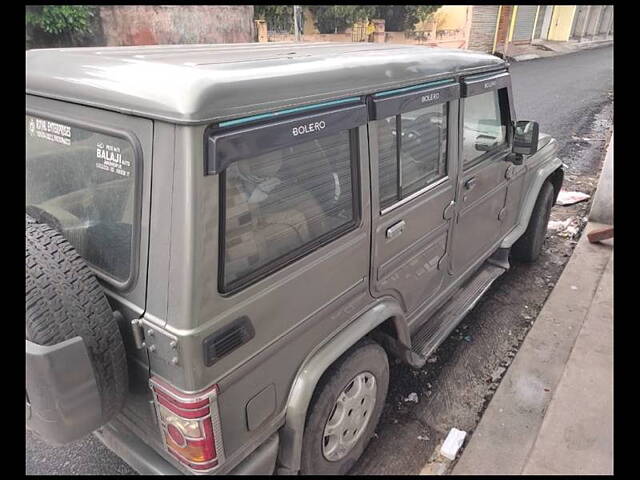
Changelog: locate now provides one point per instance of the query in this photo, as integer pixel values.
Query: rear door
(91, 169)
(484, 146)
(413, 163)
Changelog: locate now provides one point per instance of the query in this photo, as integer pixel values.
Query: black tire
(529, 246)
(365, 356)
(64, 300)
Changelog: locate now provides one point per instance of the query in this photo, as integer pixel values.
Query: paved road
(569, 96)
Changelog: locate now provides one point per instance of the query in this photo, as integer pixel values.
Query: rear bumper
(63, 403)
(146, 461)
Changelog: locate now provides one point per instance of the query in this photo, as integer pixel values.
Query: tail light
(190, 425)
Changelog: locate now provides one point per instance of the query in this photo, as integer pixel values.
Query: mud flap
(63, 402)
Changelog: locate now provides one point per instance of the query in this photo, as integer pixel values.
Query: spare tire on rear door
(64, 300)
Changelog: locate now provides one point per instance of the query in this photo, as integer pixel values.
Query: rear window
(283, 204)
(83, 183)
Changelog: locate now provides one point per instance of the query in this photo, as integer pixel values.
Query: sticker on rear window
(111, 159)
(50, 131)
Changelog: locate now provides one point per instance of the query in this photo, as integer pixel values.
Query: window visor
(386, 104)
(477, 84)
(225, 148)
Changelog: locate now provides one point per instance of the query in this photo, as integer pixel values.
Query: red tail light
(190, 425)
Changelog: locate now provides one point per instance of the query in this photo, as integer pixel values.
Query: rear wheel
(529, 246)
(345, 410)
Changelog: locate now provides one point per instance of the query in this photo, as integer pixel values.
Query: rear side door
(413, 163)
(484, 143)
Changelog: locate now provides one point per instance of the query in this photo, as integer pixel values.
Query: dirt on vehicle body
(267, 224)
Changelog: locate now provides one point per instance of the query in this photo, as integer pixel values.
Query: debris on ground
(452, 443)
(557, 225)
(434, 468)
(423, 437)
(600, 234)
(569, 198)
(413, 397)
(432, 359)
(497, 374)
(570, 232)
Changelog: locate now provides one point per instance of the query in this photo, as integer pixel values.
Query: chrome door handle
(396, 230)
(469, 184)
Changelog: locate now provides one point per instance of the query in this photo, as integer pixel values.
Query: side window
(414, 159)
(485, 123)
(282, 204)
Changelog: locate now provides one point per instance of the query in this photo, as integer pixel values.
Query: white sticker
(111, 160)
(50, 131)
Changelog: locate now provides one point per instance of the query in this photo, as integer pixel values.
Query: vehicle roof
(192, 84)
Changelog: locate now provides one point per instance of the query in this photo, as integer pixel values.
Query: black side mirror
(525, 138)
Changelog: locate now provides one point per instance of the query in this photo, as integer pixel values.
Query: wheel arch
(552, 171)
(316, 364)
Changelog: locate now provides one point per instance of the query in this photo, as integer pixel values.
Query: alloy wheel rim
(349, 416)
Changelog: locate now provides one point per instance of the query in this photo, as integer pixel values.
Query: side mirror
(525, 138)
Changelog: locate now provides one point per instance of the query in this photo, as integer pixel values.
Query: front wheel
(529, 246)
(345, 410)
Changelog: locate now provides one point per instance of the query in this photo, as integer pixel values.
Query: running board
(440, 325)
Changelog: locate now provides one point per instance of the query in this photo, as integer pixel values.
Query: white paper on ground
(569, 198)
(452, 443)
(555, 225)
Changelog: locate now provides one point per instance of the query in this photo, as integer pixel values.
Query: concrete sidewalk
(553, 411)
(547, 48)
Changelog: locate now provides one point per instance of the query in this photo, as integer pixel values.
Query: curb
(577, 48)
(504, 438)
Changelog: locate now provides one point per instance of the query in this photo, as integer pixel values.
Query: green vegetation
(60, 25)
(336, 18)
(278, 17)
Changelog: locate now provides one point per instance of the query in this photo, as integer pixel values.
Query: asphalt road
(570, 96)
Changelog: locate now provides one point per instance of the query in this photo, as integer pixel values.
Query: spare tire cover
(64, 300)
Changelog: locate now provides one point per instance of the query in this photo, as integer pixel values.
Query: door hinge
(448, 210)
(138, 333)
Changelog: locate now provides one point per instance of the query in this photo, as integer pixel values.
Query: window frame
(505, 113)
(400, 197)
(277, 264)
(394, 103)
(129, 136)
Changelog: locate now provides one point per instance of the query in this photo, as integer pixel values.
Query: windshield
(82, 182)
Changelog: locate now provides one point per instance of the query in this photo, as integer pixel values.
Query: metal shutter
(538, 32)
(605, 20)
(483, 27)
(579, 19)
(594, 18)
(523, 29)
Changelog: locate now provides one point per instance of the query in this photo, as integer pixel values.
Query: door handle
(395, 230)
(469, 184)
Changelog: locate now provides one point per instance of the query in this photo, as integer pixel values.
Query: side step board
(441, 324)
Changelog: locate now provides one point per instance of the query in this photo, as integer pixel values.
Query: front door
(482, 188)
(412, 153)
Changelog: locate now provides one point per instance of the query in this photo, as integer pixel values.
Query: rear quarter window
(285, 203)
(84, 183)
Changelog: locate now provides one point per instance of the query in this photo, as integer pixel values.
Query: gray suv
(226, 243)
